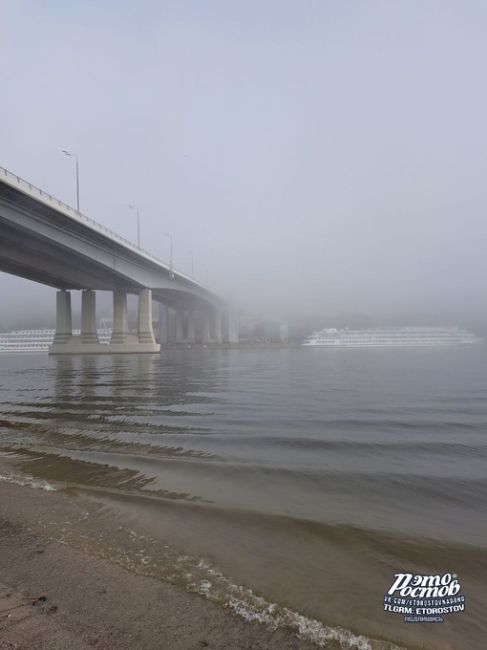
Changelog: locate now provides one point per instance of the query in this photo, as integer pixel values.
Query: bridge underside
(47, 246)
(42, 261)
(47, 242)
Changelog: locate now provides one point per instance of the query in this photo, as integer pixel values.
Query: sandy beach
(54, 596)
(58, 597)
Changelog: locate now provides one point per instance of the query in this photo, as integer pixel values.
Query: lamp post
(171, 260)
(75, 156)
(134, 207)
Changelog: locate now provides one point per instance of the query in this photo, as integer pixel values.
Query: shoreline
(58, 593)
(64, 549)
(55, 596)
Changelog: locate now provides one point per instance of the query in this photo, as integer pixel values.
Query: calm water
(309, 476)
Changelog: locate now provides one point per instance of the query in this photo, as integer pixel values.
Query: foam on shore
(149, 556)
(29, 481)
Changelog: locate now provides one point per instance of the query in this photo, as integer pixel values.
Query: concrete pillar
(88, 317)
(64, 320)
(145, 329)
(163, 324)
(217, 325)
(205, 327)
(224, 317)
(191, 336)
(171, 325)
(120, 326)
(179, 326)
(230, 327)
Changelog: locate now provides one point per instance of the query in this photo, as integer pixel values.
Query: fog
(315, 157)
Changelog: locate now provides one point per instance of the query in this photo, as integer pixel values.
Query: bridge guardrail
(48, 198)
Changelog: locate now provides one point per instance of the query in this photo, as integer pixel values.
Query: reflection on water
(309, 475)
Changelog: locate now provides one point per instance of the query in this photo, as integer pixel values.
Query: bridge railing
(72, 212)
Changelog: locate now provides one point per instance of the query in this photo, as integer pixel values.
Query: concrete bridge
(45, 240)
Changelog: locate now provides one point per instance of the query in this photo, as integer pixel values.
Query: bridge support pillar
(146, 332)
(64, 322)
(231, 327)
(171, 325)
(179, 326)
(120, 325)
(163, 324)
(88, 317)
(124, 343)
(217, 325)
(205, 330)
(191, 335)
(147, 341)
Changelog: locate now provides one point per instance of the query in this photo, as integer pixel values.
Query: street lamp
(192, 264)
(75, 156)
(171, 264)
(134, 207)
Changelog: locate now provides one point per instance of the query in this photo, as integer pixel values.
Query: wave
(30, 481)
(151, 557)
(351, 446)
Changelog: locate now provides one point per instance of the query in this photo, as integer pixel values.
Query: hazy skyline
(313, 156)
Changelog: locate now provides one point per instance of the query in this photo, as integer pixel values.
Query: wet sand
(54, 596)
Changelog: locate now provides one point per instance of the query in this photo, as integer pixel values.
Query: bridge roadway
(45, 240)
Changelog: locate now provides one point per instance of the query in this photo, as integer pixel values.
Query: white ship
(38, 340)
(386, 337)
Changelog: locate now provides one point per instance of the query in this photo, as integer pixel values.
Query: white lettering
(402, 580)
(424, 586)
(446, 578)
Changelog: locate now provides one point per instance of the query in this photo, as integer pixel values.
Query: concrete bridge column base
(87, 343)
(131, 346)
(146, 338)
(89, 334)
(120, 325)
(64, 323)
(122, 342)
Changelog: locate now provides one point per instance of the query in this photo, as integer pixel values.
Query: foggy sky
(312, 155)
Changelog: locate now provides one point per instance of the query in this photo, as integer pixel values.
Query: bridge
(44, 240)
